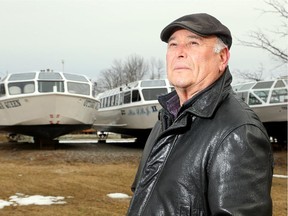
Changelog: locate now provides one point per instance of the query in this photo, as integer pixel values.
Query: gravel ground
(97, 153)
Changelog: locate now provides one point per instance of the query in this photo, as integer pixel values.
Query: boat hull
(136, 120)
(47, 115)
(45, 132)
(271, 113)
(274, 119)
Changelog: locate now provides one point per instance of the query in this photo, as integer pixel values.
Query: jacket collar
(205, 102)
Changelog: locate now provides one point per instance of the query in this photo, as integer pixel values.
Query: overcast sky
(90, 34)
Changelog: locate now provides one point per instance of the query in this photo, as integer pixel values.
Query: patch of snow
(21, 199)
(118, 195)
(4, 203)
(280, 176)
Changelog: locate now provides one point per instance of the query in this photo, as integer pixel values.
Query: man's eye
(172, 44)
(193, 43)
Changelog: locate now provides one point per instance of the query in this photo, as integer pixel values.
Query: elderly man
(208, 154)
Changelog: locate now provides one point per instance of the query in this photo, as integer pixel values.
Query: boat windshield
(153, 83)
(22, 76)
(50, 76)
(2, 90)
(78, 88)
(263, 85)
(75, 77)
(152, 94)
(16, 88)
(279, 84)
(279, 96)
(50, 86)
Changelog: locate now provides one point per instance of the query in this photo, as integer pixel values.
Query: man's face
(192, 63)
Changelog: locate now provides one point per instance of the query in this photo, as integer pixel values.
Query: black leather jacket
(215, 158)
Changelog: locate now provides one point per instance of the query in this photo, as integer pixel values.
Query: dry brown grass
(279, 186)
(85, 185)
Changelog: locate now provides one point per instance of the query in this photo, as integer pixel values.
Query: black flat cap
(201, 24)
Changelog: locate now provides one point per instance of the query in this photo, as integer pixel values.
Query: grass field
(85, 177)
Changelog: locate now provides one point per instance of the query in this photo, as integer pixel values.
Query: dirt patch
(85, 174)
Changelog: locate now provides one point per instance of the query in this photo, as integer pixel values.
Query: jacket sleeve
(148, 146)
(240, 174)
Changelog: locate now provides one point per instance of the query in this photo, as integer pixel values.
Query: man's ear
(224, 58)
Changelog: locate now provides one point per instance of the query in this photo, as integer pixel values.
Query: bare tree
(255, 76)
(261, 40)
(156, 68)
(111, 77)
(118, 73)
(134, 68)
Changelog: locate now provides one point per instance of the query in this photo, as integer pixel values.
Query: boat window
(50, 86)
(262, 94)
(261, 85)
(127, 97)
(21, 87)
(29, 88)
(279, 96)
(243, 95)
(153, 83)
(107, 101)
(50, 76)
(152, 94)
(75, 77)
(253, 100)
(94, 89)
(136, 96)
(115, 99)
(14, 89)
(111, 101)
(104, 102)
(279, 84)
(101, 102)
(121, 98)
(22, 76)
(2, 90)
(78, 88)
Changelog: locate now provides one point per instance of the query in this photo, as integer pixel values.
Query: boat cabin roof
(44, 75)
(141, 84)
(34, 82)
(263, 92)
(278, 83)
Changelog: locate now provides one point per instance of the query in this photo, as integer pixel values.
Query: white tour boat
(269, 100)
(46, 104)
(131, 109)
